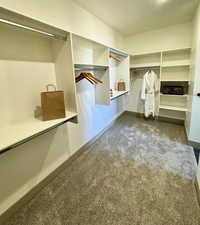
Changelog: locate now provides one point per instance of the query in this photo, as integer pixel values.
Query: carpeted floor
(138, 173)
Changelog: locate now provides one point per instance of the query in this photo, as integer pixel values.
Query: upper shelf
(164, 59)
(176, 63)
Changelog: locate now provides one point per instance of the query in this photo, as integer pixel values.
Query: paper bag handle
(51, 85)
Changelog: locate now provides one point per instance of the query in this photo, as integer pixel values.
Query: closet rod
(89, 69)
(13, 146)
(33, 29)
(146, 68)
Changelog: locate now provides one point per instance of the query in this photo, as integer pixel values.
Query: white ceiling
(134, 16)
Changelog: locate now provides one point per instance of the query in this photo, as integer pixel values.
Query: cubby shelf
(117, 94)
(21, 132)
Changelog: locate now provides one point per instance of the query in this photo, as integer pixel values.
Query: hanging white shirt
(149, 88)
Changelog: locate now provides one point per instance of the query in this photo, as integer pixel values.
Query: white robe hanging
(149, 88)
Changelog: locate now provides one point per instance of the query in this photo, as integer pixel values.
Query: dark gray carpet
(138, 173)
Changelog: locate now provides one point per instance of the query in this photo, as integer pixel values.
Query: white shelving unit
(174, 67)
(29, 61)
(92, 56)
(119, 71)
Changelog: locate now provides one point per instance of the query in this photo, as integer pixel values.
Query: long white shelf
(168, 95)
(174, 80)
(176, 63)
(117, 94)
(172, 117)
(15, 134)
(175, 108)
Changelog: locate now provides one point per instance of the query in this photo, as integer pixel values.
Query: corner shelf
(18, 133)
(117, 94)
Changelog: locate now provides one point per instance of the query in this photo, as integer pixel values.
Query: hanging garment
(149, 88)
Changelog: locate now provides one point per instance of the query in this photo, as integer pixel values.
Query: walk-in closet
(100, 105)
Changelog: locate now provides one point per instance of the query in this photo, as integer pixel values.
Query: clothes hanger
(96, 80)
(83, 76)
(88, 76)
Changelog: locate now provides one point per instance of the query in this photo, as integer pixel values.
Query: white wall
(178, 36)
(194, 119)
(25, 166)
(69, 16)
(194, 132)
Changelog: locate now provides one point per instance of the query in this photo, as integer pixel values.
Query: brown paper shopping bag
(53, 105)
(121, 86)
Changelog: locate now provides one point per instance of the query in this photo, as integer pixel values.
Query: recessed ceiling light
(162, 1)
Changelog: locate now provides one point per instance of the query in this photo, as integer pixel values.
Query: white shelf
(168, 107)
(173, 117)
(14, 134)
(168, 95)
(117, 94)
(175, 80)
(176, 63)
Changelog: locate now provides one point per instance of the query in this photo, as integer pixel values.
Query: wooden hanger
(96, 80)
(114, 57)
(88, 76)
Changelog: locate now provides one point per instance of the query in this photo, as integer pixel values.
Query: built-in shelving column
(119, 64)
(175, 72)
(90, 56)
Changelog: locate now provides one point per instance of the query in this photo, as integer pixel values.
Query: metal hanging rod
(33, 29)
(146, 68)
(85, 68)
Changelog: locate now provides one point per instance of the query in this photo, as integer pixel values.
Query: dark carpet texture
(138, 173)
